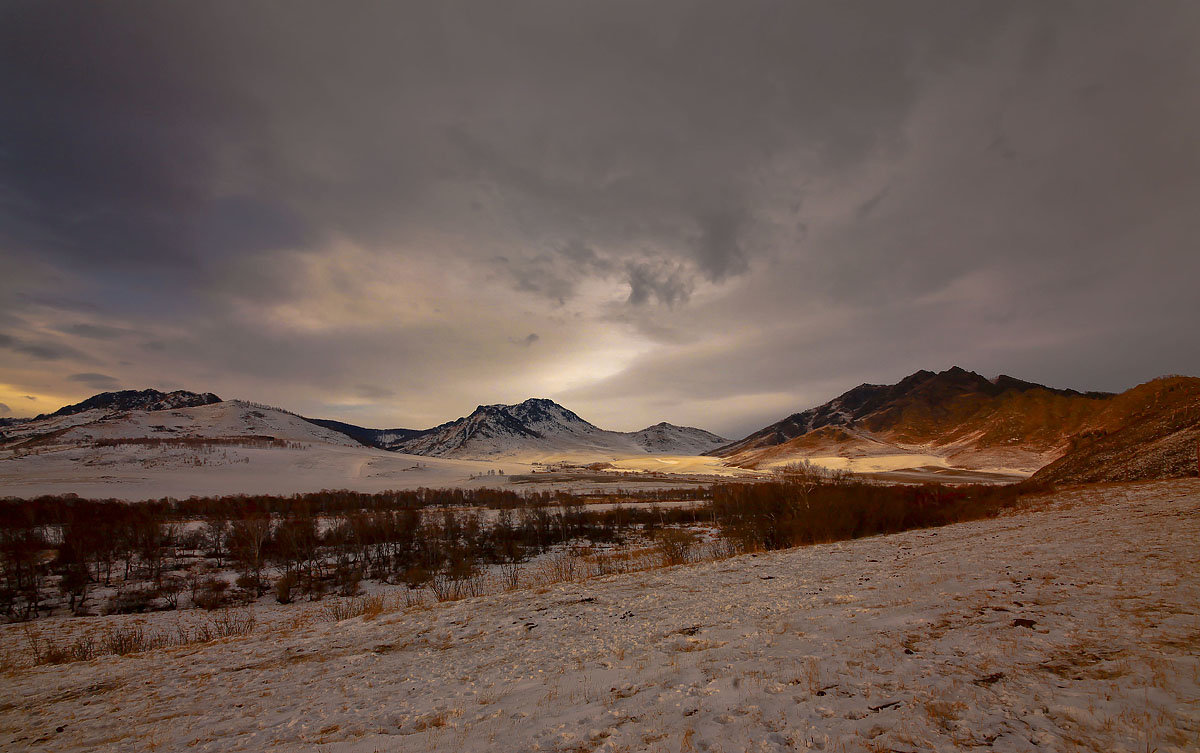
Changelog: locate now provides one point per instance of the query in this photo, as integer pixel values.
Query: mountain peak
(539, 426)
(913, 410)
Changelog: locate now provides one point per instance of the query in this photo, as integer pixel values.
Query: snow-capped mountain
(535, 427)
(542, 426)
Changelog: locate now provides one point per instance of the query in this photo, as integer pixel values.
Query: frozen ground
(1072, 625)
(137, 473)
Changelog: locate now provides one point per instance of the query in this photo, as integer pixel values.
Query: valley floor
(1071, 625)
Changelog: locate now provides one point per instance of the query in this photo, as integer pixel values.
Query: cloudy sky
(714, 214)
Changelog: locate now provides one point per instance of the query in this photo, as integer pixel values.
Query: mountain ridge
(536, 425)
(539, 424)
(955, 418)
(967, 421)
(126, 400)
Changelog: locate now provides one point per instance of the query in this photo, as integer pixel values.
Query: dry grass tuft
(367, 607)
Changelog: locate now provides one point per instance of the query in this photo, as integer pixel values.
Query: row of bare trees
(808, 505)
(58, 551)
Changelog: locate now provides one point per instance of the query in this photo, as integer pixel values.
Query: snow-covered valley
(1072, 624)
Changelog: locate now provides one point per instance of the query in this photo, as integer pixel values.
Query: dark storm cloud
(41, 350)
(95, 381)
(161, 139)
(668, 284)
(833, 192)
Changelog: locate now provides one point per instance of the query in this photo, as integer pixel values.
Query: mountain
(384, 439)
(972, 421)
(535, 427)
(680, 440)
(146, 400)
(544, 428)
(229, 421)
(1149, 432)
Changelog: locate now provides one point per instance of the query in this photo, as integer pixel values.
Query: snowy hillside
(1069, 626)
(235, 447)
(226, 419)
(229, 447)
(543, 427)
(669, 439)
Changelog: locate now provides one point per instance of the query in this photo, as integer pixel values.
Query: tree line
(61, 549)
(217, 551)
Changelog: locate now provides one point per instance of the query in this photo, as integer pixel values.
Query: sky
(714, 214)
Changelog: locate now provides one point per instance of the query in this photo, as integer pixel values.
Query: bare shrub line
(123, 640)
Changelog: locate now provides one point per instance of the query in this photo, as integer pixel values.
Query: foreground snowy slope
(1070, 626)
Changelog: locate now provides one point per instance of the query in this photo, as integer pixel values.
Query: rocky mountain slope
(969, 419)
(1151, 431)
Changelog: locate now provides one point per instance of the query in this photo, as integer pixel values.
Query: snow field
(1073, 625)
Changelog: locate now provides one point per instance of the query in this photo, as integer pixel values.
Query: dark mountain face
(384, 439)
(878, 407)
(147, 400)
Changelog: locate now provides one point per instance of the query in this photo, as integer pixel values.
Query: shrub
(132, 601)
(212, 594)
(283, 588)
(367, 607)
(674, 546)
(229, 623)
(416, 576)
(126, 640)
(250, 583)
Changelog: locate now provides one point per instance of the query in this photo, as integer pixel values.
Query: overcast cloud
(708, 213)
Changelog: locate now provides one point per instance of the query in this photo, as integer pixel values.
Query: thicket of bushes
(808, 505)
(158, 552)
(166, 553)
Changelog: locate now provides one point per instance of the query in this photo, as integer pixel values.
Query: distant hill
(384, 439)
(228, 419)
(147, 400)
(668, 438)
